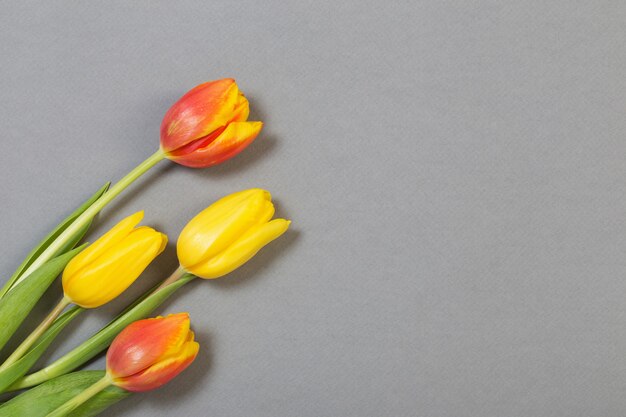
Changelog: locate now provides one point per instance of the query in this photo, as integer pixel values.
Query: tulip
(149, 353)
(109, 266)
(228, 233)
(101, 272)
(208, 125)
(144, 356)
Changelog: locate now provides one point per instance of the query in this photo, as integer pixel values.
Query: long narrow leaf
(23, 365)
(36, 252)
(47, 397)
(15, 306)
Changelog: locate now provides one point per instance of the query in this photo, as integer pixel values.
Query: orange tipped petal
(202, 110)
(234, 139)
(161, 372)
(145, 342)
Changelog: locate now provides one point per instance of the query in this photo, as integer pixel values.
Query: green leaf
(15, 306)
(47, 397)
(34, 255)
(101, 340)
(23, 365)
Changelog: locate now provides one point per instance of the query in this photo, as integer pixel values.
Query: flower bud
(149, 353)
(112, 263)
(228, 233)
(208, 125)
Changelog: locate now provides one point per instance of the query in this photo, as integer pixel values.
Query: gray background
(455, 172)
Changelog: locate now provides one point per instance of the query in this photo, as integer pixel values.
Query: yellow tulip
(101, 272)
(228, 233)
(112, 263)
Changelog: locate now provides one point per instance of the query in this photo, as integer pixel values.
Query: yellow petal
(114, 270)
(109, 239)
(242, 250)
(222, 223)
(242, 109)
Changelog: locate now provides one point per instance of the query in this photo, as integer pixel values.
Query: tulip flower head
(208, 125)
(228, 233)
(112, 263)
(149, 353)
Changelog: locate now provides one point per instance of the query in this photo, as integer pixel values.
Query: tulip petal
(234, 139)
(162, 372)
(242, 109)
(199, 112)
(114, 270)
(242, 250)
(108, 240)
(145, 342)
(267, 212)
(235, 199)
(219, 225)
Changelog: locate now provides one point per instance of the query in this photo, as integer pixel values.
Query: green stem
(91, 212)
(176, 275)
(81, 398)
(36, 334)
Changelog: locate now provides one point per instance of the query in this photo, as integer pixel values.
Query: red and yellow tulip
(144, 356)
(149, 353)
(208, 125)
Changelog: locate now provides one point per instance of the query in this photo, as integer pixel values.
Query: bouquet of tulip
(207, 126)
